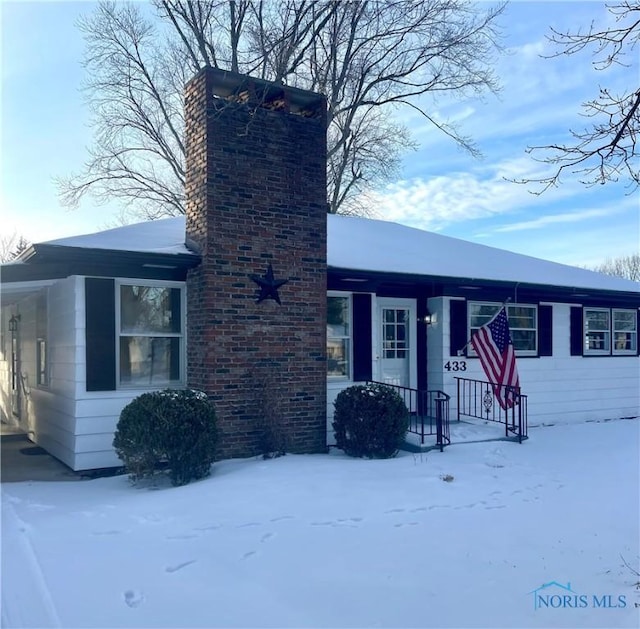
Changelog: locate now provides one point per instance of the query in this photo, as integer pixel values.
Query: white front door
(396, 341)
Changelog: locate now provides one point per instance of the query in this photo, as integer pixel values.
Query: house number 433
(456, 365)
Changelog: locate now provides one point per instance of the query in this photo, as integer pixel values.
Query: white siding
(78, 426)
(75, 425)
(54, 406)
(560, 388)
(565, 388)
(438, 340)
(333, 388)
(96, 412)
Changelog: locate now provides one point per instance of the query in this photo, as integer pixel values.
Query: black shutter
(176, 326)
(100, 310)
(638, 333)
(457, 326)
(575, 324)
(362, 352)
(545, 330)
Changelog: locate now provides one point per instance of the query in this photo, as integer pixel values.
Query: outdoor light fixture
(13, 323)
(428, 318)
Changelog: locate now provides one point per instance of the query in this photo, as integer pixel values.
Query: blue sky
(45, 134)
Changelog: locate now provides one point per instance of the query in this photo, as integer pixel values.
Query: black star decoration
(269, 285)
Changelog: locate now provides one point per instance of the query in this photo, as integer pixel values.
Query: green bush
(370, 421)
(171, 429)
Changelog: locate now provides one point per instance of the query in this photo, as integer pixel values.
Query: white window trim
(519, 352)
(46, 372)
(595, 352)
(349, 376)
(623, 352)
(42, 375)
(182, 335)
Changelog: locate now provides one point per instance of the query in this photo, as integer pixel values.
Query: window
(523, 324)
(597, 331)
(150, 340)
(41, 363)
(610, 331)
(395, 330)
(338, 336)
(625, 332)
(42, 358)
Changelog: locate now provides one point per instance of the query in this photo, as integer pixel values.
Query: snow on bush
(370, 421)
(171, 429)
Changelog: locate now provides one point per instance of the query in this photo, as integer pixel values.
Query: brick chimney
(257, 213)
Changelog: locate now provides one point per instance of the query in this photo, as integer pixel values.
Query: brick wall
(256, 195)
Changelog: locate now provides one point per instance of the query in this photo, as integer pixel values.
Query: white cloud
(443, 200)
(554, 219)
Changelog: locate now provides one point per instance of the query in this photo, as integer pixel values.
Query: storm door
(396, 353)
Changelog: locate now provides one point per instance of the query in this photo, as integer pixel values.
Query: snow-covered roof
(161, 236)
(363, 244)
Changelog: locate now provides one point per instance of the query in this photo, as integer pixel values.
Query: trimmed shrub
(172, 430)
(370, 421)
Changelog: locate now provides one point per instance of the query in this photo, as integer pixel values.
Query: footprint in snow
(182, 536)
(249, 554)
(266, 537)
(282, 517)
(395, 511)
(133, 598)
(179, 566)
(247, 525)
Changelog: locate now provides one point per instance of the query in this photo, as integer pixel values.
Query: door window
(395, 333)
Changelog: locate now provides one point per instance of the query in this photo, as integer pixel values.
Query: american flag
(492, 343)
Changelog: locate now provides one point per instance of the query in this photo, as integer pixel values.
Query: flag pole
(460, 352)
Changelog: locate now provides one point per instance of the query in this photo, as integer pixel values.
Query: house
(258, 297)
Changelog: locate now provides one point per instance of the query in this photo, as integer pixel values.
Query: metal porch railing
(428, 413)
(479, 399)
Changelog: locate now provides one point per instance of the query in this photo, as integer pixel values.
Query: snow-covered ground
(462, 538)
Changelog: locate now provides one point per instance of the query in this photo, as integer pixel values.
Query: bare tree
(11, 246)
(624, 266)
(606, 149)
(369, 57)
